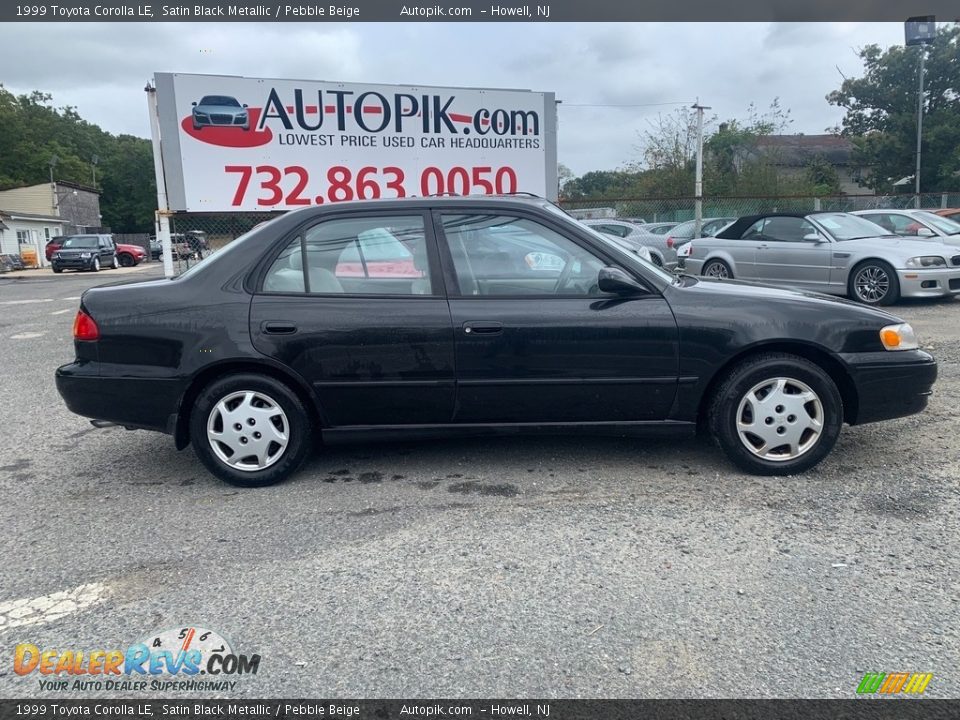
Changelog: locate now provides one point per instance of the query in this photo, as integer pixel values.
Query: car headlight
(85, 256)
(898, 337)
(926, 261)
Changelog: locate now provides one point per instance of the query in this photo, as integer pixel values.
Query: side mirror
(924, 232)
(194, 104)
(245, 105)
(616, 282)
(813, 237)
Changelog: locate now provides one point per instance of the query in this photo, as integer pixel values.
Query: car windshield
(843, 226)
(223, 100)
(80, 241)
(946, 225)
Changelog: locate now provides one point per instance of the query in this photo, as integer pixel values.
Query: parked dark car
(85, 252)
(272, 342)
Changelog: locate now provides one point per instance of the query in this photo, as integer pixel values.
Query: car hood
(901, 248)
(758, 293)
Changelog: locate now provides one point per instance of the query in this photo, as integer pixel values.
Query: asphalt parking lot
(568, 567)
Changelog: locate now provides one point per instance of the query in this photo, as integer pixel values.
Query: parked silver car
(661, 253)
(830, 252)
(915, 223)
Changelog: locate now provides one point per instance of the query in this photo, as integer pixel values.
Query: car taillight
(670, 242)
(84, 327)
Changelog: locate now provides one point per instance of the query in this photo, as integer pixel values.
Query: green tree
(881, 112)
(34, 131)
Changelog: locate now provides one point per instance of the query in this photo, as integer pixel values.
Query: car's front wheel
(114, 263)
(126, 260)
(874, 282)
(57, 269)
(717, 269)
(95, 265)
(776, 414)
(250, 430)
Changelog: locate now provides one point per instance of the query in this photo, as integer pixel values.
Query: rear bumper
(146, 403)
(890, 384)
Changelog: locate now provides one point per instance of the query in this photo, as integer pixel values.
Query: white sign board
(240, 144)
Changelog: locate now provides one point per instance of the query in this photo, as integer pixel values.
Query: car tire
(748, 391)
(95, 265)
(126, 260)
(114, 263)
(874, 282)
(261, 395)
(57, 270)
(717, 269)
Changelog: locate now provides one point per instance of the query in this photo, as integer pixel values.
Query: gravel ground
(512, 567)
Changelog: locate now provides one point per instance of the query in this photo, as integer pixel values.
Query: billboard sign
(239, 144)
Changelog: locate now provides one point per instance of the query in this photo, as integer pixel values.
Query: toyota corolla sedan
(220, 111)
(830, 252)
(517, 319)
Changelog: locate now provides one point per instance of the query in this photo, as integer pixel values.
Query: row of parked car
(873, 256)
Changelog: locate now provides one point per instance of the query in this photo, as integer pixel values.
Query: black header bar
(434, 709)
(478, 11)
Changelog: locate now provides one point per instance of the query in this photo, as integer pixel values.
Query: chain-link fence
(682, 208)
(195, 236)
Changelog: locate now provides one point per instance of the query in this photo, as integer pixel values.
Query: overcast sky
(101, 68)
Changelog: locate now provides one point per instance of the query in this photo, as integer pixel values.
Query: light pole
(920, 30)
(93, 167)
(698, 178)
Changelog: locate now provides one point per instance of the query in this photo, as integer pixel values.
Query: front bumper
(926, 283)
(146, 403)
(73, 263)
(890, 384)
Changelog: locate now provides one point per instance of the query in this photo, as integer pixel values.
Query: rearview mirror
(616, 282)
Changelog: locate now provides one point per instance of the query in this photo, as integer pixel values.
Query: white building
(27, 230)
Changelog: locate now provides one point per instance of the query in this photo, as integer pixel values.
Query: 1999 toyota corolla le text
(475, 315)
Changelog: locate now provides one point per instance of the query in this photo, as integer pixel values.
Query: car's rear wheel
(874, 282)
(95, 265)
(126, 260)
(250, 430)
(717, 269)
(776, 414)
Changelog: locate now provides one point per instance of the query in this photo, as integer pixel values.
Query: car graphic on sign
(220, 111)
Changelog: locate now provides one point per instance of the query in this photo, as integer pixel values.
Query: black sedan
(475, 315)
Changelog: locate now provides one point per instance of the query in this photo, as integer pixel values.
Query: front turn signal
(898, 337)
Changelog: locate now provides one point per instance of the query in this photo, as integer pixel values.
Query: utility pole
(916, 198)
(919, 30)
(698, 180)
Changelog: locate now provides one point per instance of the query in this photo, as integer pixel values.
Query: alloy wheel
(717, 270)
(871, 284)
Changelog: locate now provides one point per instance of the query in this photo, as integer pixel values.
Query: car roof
(516, 201)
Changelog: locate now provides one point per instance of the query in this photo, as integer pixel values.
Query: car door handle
(762, 246)
(482, 327)
(279, 328)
